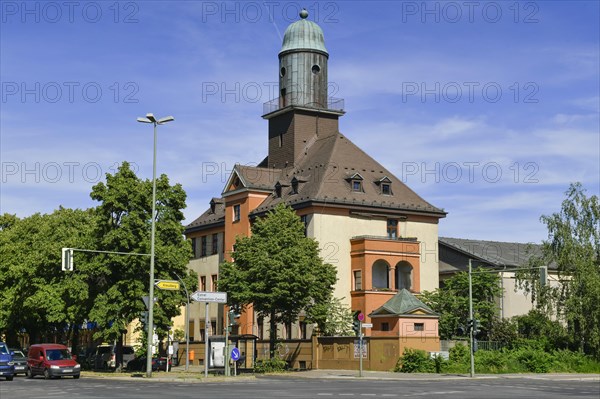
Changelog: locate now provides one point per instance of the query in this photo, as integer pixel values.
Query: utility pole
(471, 322)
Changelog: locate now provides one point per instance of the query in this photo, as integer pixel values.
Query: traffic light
(470, 325)
(356, 323)
(144, 318)
(67, 259)
(234, 313)
(476, 327)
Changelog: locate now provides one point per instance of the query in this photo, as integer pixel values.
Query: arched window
(404, 275)
(380, 274)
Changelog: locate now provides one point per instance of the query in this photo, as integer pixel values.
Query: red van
(51, 360)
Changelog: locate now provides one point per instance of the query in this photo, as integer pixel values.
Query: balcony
(333, 104)
(383, 244)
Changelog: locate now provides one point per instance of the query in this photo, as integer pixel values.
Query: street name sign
(367, 325)
(170, 285)
(203, 296)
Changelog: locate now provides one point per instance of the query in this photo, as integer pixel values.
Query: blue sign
(235, 354)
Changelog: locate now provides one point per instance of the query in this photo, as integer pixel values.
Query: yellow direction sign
(171, 285)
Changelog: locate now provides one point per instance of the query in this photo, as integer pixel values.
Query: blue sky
(488, 109)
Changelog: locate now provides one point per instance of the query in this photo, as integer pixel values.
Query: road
(290, 387)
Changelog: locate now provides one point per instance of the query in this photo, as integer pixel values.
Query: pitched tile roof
(325, 171)
(495, 254)
(402, 304)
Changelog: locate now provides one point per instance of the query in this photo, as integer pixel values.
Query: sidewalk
(196, 374)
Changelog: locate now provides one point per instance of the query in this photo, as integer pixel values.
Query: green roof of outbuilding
(403, 303)
(303, 35)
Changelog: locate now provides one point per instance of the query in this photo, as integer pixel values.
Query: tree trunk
(272, 335)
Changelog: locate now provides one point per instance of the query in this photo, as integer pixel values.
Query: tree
(573, 245)
(123, 225)
(333, 318)
(277, 270)
(36, 296)
(452, 302)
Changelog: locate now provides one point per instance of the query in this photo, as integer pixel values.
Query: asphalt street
(292, 387)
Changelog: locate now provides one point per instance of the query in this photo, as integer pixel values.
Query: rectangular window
(385, 189)
(304, 219)
(392, 228)
(288, 330)
(357, 280)
(385, 326)
(419, 326)
(213, 282)
(203, 246)
(303, 330)
(356, 185)
(215, 244)
(236, 213)
(260, 324)
(194, 249)
(202, 283)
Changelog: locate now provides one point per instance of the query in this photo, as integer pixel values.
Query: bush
(535, 360)
(274, 365)
(491, 361)
(415, 361)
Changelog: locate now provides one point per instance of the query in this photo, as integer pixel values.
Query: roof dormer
(385, 185)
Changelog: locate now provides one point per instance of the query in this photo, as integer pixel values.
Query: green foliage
(278, 270)
(272, 365)
(124, 221)
(573, 245)
(459, 353)
(415, 361)
(452, 302)
(333, 318)
(37, 296)
(537, 326)
(503, 331)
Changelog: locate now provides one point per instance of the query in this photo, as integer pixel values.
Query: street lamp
(151, 119)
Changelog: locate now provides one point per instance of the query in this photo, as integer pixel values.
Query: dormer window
(356, 184)
(295, 186)
(386, 189)
(278, 190)
(385, 185)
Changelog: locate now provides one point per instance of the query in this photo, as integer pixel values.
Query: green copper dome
(303, 35)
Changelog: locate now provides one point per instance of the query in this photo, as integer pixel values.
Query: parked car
(51, 360)
(105, 357)
(158, 363)
(20, 361)
(7, 367)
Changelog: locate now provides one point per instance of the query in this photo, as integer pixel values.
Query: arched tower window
(404, 275)
(380, 274)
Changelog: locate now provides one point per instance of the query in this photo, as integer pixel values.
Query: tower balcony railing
(333, 103)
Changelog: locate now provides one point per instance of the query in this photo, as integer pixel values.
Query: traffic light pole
(472, 323)
(360, 349)
(471, 320)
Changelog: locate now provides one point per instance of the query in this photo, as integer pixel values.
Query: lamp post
(151, 119)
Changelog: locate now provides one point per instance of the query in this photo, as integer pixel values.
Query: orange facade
(382, 258)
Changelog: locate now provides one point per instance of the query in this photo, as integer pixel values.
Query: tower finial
(304, 13)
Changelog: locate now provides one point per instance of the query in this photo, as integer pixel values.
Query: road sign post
(235, 356)
(208, 297)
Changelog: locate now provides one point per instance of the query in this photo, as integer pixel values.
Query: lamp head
(165, 120)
